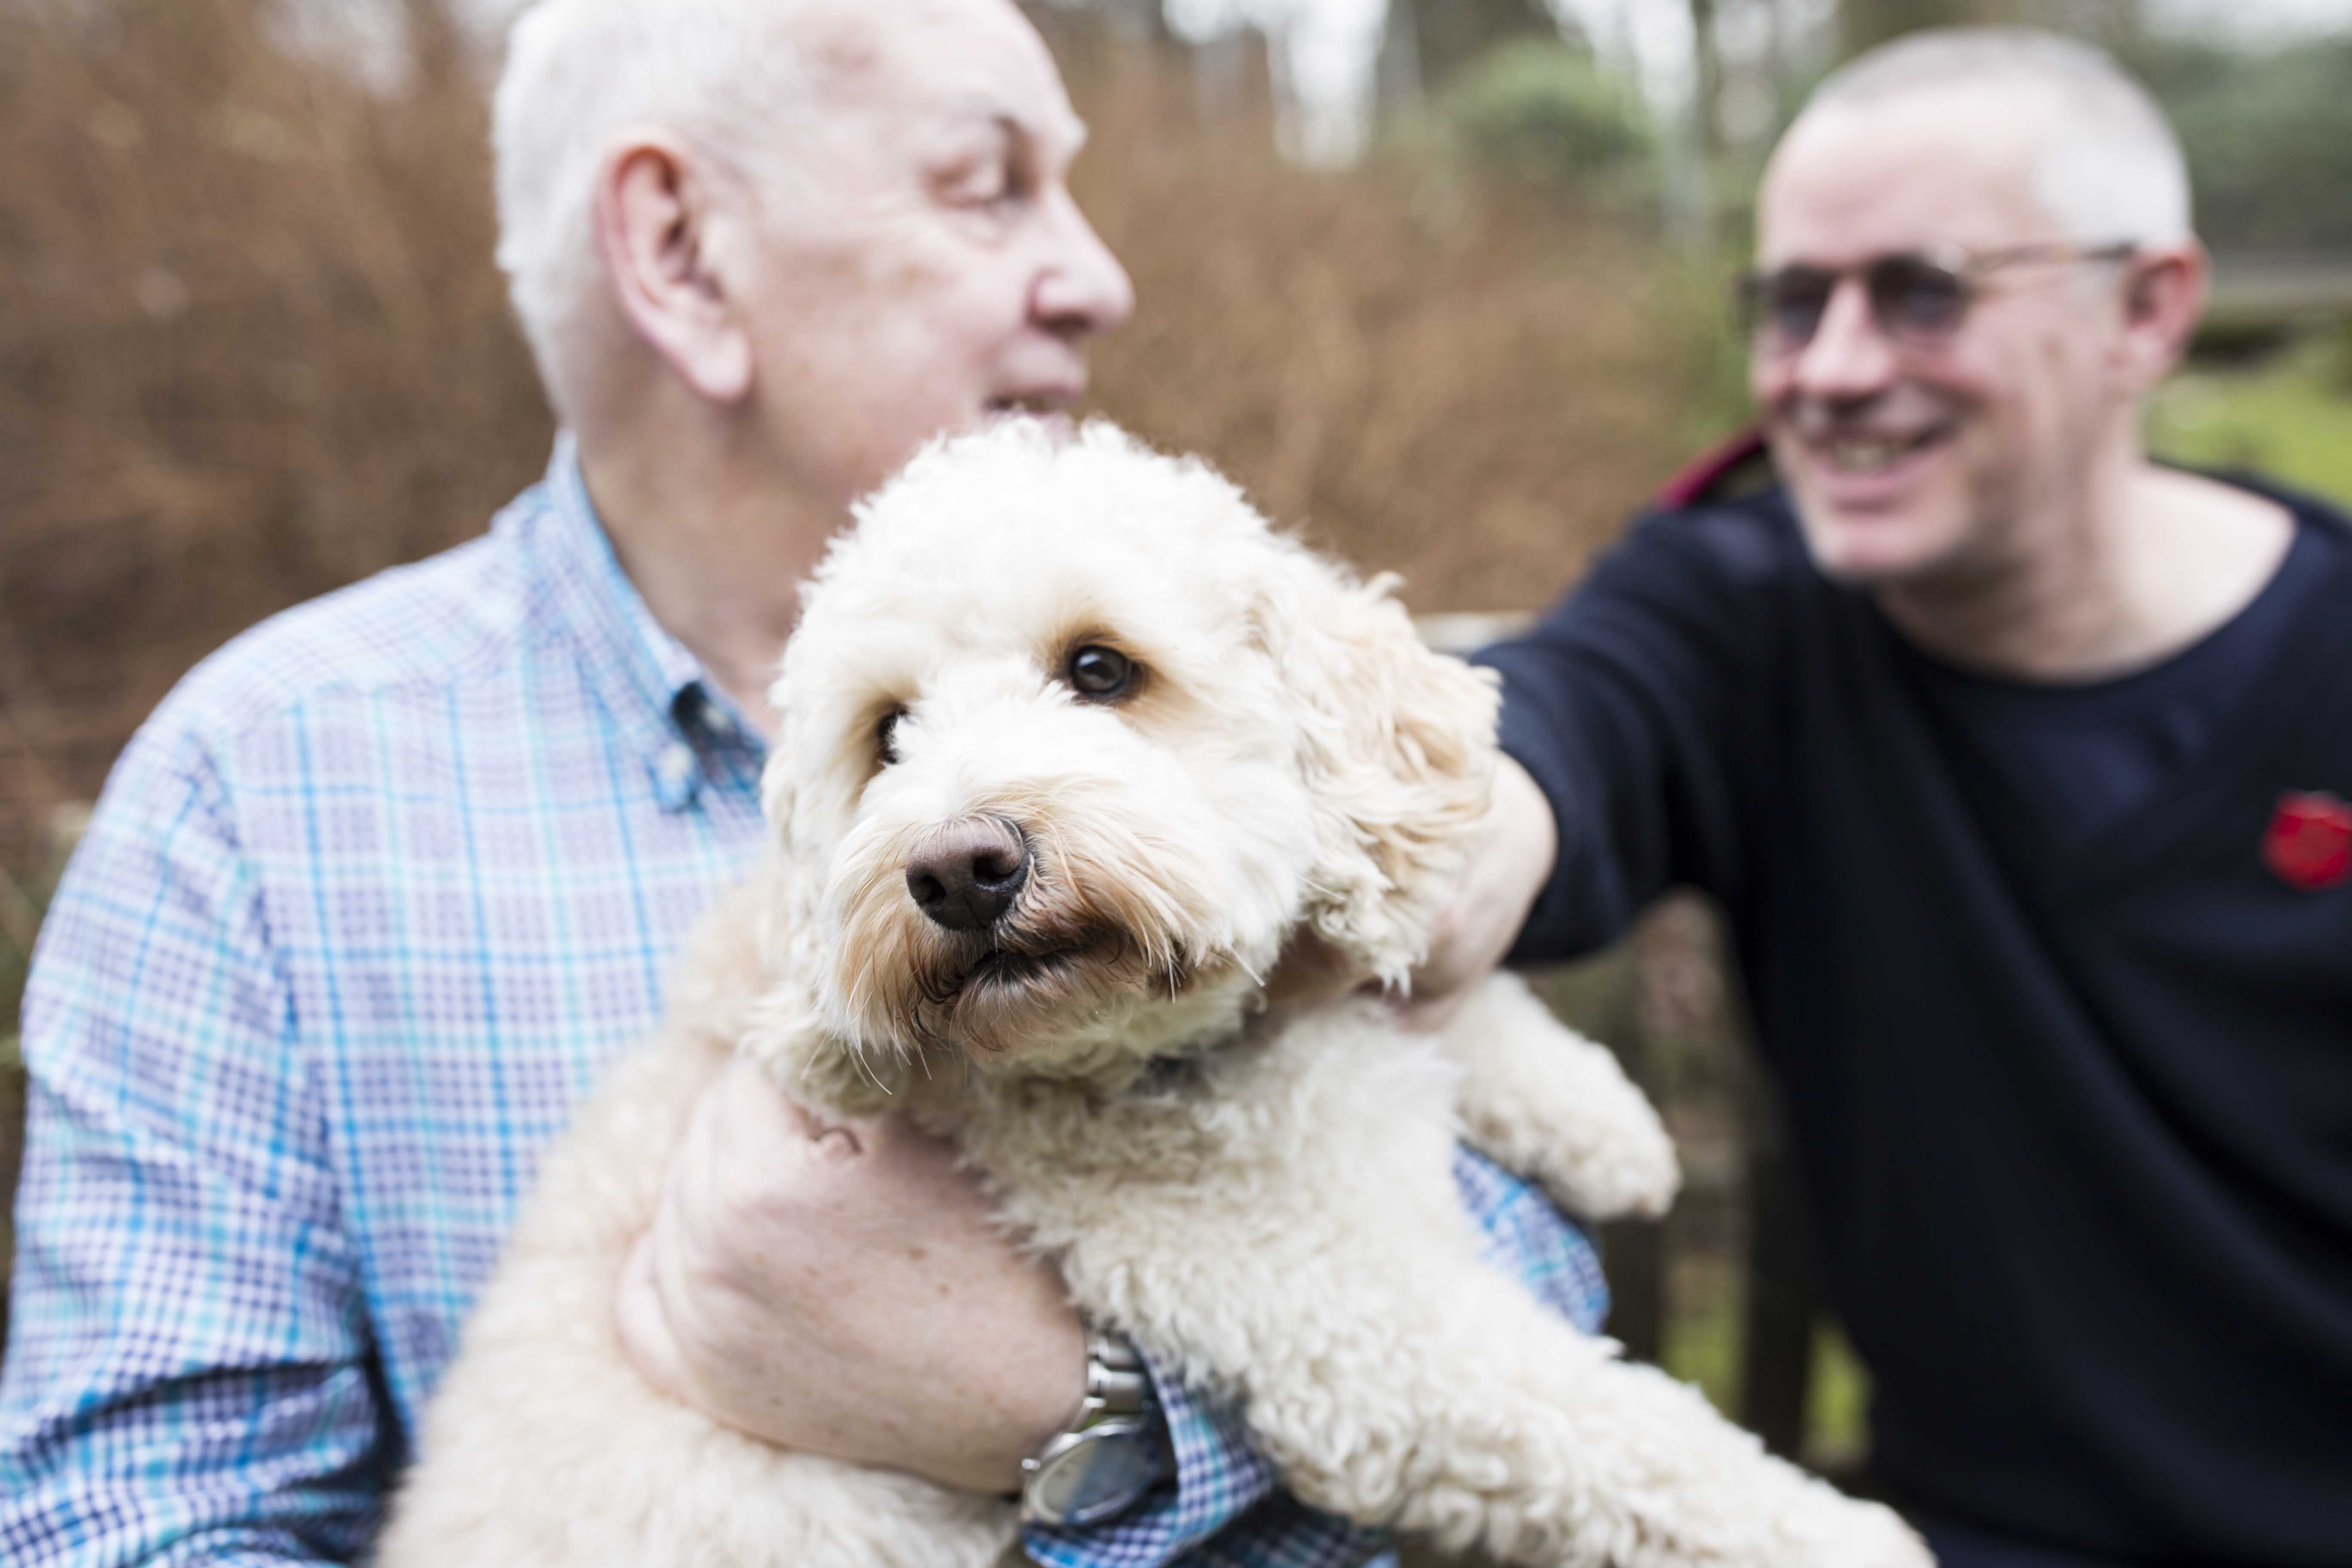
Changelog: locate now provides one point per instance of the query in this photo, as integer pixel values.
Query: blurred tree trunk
(1777, 1355)
(1397, 72)
(1863, 24)
(436, 44)
(1707, 84)
(1146, 20)
(1232, 78)
(1443, 36)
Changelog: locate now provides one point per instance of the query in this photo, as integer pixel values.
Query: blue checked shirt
(366, 905)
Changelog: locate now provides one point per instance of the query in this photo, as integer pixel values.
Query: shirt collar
(673, 717)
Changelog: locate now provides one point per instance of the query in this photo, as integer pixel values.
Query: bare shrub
(252, 346)
(1471, 386)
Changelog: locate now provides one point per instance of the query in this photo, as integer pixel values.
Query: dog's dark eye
(1101, 672)
(885, 735)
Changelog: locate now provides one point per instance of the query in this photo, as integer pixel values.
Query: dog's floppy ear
(785, 1030)
(1396, 745)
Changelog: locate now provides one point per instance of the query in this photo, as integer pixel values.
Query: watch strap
(1118, 1426)
(1117, 1380)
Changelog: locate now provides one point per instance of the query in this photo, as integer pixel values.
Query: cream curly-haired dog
(1072, 743)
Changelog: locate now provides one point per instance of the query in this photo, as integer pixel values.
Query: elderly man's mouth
(1048, 404)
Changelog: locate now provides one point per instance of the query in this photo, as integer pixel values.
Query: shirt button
(677, 772)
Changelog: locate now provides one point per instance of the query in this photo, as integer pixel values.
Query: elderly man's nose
(966, 875)
(1849, 355)
(1083, 288)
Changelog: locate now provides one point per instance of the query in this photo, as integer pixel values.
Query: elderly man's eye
(982, 179)
(986, 183)
(1101, 673)
(885, 735)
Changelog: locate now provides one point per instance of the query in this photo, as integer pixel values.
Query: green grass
(1837, 1404)
(2290, 420)
(1704, 1298)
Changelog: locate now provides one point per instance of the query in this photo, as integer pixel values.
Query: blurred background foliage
(252, 347)
(1546, 113)
(2269, 138)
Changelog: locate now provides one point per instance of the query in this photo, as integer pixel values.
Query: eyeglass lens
(1911, 299)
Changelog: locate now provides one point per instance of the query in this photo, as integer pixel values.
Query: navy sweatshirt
(2072, 1083)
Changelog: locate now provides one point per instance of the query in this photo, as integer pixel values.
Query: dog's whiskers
(857, 1053)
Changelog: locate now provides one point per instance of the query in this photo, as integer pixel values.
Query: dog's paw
(1541, 1100)
(1617, 1164)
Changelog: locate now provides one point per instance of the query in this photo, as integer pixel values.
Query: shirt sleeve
(1644, 705)
(188, 1374)
(1225, 1508)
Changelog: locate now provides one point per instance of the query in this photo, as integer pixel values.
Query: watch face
(1101, 1474)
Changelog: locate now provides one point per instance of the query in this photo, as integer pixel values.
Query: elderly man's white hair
(2108, 168)
(717, 73)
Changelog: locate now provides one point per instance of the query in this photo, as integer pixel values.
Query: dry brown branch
(252, 346)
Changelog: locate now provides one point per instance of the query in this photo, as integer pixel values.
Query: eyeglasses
(1916, 298)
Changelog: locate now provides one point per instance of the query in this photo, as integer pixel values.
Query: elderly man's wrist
(1111, 1454)
(1219, 1477)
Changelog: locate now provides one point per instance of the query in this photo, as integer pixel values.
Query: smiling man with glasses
(2020, 765)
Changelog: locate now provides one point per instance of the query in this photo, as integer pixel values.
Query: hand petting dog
(1507, 865)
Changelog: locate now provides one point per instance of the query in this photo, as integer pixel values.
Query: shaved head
(2097, 153)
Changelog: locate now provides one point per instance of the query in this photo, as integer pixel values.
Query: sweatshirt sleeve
(1643, 704)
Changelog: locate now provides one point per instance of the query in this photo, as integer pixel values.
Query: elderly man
(2020, 766)
(377, 891)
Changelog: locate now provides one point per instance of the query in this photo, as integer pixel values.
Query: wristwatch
(1115, 1452)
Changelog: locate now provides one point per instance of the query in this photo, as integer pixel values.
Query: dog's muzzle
(966, 875)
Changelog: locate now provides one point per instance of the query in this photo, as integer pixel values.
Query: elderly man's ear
(677, 247)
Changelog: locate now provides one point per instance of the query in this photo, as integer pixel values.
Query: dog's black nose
(965, 876)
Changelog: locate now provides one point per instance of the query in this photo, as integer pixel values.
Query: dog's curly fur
(1262, 1200)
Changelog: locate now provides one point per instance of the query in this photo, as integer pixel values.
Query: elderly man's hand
(840, 1289)
(1507, 869)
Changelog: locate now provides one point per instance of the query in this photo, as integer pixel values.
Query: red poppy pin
(2309, 845)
